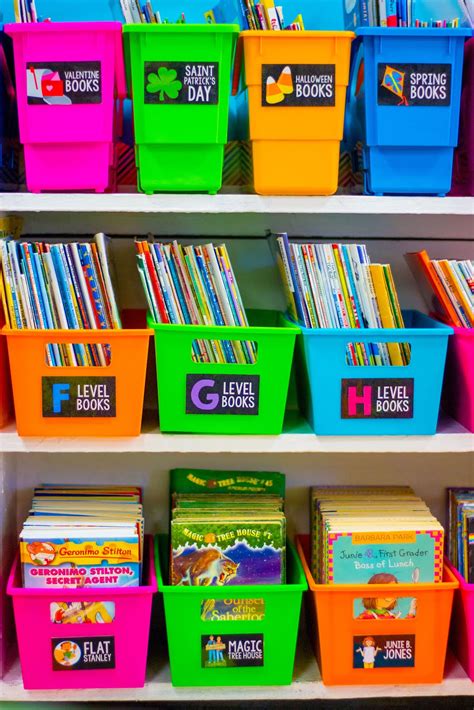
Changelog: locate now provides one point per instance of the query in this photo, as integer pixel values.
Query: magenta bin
(127, 634)
(462, 623)
(463, 173)
(70, 82)
(458, 394)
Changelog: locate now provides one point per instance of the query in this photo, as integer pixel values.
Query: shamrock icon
(165, 82)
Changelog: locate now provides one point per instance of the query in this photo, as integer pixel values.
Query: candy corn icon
(285, 82)
(274, 94)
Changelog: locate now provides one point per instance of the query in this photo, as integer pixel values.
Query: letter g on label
(202, 400)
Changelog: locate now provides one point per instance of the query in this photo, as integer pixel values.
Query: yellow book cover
(385, 310)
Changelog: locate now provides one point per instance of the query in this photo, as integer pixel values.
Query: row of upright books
(342, 312)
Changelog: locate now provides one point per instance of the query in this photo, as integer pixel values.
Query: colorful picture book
(337, 286)
(461, 531)
(60, 286)
(83, 536)
(226, 538)
(374, 535)
(447, 285)
(195, 285)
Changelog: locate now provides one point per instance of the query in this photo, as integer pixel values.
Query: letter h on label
(353, 400)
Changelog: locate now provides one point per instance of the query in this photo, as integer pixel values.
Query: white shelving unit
(429, 464)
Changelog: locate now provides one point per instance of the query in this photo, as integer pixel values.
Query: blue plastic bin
(410, 137)
(343, 399)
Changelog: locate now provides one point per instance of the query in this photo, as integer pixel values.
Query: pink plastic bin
(68, 126)
(37, 634)
(462, 624)
(458, 395)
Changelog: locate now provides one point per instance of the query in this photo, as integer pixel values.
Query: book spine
(392, 15)
(383, 13)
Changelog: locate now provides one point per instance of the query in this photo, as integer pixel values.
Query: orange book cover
(431, 287)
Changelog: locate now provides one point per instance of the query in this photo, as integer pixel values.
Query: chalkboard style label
(83, 654)
(232, 651)
(298, 85)
(372, 652)
(414, 84)
(79, 397)
(63, 83)
(222, 394)
(377, 399)
(194, 83)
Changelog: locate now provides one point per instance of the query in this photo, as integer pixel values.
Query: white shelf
(244, 215)
(306, 685)
(451, 438)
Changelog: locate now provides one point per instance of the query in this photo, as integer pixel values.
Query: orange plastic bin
(6, 405)
(297, 84)
(78, 401)
(412, 648)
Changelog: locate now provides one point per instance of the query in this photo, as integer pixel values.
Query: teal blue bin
(343, 399)
(411, 101)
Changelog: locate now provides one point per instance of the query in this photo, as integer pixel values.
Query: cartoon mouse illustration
(41, 553)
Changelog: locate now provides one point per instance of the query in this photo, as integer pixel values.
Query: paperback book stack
(265, 15)
(447, 286)
(224, 537)
(404, 13)
(195, 285)
(337, 286)
(461, 531)
(60, 286)
(83, 536)
(374, 535)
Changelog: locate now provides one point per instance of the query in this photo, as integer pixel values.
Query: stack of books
(195, 285)
(461, 531)
(134, 12)
(60, 286)
(403, 13)
(374, 535)
(265, 15)
(447, 286)
(83, 536)
(336, 286)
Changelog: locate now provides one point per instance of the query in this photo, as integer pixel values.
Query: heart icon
(49, 87)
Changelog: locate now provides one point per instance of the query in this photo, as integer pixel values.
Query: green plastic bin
(195, 397)
(268, 641)
(179, 77)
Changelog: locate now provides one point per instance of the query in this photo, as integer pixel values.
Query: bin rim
(84, 594)
(232, 331)
(14, 28)
(238, 590)
(190, 28)
(93, 333)
(433, 327)
(414, 32)
(365, 590)
(304, 34)
(465, 586)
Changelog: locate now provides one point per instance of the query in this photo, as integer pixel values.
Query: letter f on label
(60, 394)
(353, 400)
(208, 401)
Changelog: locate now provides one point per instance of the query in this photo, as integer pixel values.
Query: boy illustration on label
(219, 649)
(368, 651)
(211, 650)
(384, 607)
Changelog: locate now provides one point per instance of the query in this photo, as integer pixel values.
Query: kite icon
(394, 81)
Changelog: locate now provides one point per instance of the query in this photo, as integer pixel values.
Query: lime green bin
(212, 398)
(179, 77)
(257, 625)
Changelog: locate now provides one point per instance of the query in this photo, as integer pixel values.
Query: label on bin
(372, 652)
(222, 394)
(414, 84)
(181, 83)
(79, 397)
(232, 650)
(377, 398)
(298, 85)
(83, 654)
(233, 610)
(63, 83)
